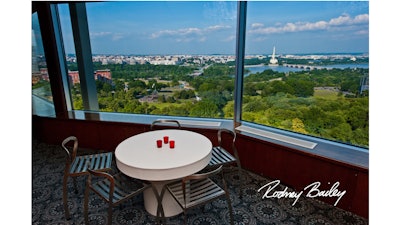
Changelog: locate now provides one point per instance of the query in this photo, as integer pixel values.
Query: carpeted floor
(48, 162)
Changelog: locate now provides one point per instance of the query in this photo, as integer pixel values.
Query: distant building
(36, 77)
(101, 75)
(150, 98)
(74, 77)
(42, 74)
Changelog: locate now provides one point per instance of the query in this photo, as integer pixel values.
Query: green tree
(298, 126)
(137, 83)
(302, 88)
(257, 104)
(229, 110)
(119, 85)
(204, 108)
(161, 98)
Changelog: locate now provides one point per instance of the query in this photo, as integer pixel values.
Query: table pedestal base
(170, 206)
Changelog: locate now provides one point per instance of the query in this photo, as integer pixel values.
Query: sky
(209, 27)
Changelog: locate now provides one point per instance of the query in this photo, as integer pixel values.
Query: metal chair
(113, 189)
(220, 156)
(196, 190)
(162, 122)
(77, 166)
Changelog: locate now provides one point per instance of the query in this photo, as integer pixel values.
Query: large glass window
(306, 63)
(42, 98)
(161, 58)
(307, 68)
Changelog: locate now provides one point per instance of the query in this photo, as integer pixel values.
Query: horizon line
(156, 54)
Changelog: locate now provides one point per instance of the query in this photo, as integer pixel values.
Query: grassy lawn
(161, 105)
(326, 94)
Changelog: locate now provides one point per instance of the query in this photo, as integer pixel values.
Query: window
(42, 98)
(306, 69)
(160, 58)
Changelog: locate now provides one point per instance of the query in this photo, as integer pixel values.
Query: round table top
(139, 157)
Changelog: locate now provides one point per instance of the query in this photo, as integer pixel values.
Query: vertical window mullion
(61, 55)
(80, 30)
(240, 52)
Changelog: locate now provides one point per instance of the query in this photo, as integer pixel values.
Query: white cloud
(189, 34)
(216, 28)
(99, 34)
(117, 37)
(178, 33)
(113, 36)
(338, 22)
(362, 32)
(363, 18)
(344, 19)
(230, 38)
(257, 25)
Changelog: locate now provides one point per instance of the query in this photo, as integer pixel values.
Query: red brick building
(103, 75)
(74, 77)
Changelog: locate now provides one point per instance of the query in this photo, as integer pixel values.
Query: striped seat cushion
(98, 162)
(220, 156)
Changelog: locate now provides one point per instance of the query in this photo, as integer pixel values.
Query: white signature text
(311, 191)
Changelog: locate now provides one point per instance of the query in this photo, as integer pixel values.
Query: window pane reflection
(42, 98)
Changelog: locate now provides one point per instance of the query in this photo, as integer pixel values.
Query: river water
(284, 69)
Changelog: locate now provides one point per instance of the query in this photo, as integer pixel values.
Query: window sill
(148, 119)
(348, 154)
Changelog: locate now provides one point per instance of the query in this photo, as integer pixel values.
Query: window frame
(341, 152)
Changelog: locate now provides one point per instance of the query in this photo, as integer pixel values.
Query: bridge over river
(305, 67)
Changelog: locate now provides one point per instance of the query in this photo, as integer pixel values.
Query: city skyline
(170, 28)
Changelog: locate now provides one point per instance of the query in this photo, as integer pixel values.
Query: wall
(293, 168)
(298, 170)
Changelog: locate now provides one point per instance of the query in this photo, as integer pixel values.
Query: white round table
(139, 157)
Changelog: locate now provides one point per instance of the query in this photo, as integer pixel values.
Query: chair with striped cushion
(220, 155)
(114, 189)
(196, 190)
(78, 165)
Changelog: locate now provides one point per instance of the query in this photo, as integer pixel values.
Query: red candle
(172, 144)
(166, 139)
(159, 143)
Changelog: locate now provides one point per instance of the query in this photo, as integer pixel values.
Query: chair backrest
(223, 130)
(164, 122)
(109, 177)
(199, 176)
(64, 145)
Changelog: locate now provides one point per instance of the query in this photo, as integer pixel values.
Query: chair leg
(65, 197)
(230, 207)
(110, 211)
(240, 181)
(86, 206)
(184, 216)
(75, 186)
(228, 199)
(160, 210)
